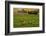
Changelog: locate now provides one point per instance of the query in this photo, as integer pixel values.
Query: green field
(26, 20)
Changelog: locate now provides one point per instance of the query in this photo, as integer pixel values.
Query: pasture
(25, 20)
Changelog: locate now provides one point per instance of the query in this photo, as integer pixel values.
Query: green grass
(26, 20)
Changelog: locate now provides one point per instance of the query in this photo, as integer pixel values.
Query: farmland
(26, 20)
